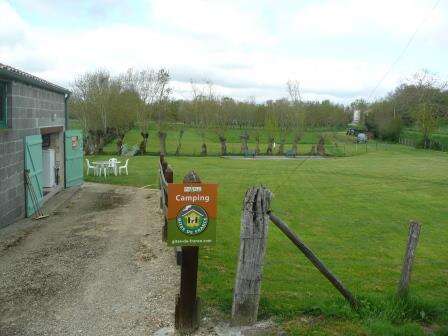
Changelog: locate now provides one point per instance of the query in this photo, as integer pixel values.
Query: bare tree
(222, 111)
(293, 87)
(202, 104)
(296, 114)
(270, 126)
(91, 102)
(147, 85)
(163, 78)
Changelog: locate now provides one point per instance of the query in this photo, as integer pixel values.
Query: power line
(405, 49)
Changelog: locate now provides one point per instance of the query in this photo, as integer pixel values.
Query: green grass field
(354, 213)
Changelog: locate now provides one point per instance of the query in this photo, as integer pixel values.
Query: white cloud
(12, 27)
(355, 17)
(230, 43)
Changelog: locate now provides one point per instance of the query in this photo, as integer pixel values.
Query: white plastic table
(104, 165)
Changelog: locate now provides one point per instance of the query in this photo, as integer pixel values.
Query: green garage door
(33, 165)
(74, 157)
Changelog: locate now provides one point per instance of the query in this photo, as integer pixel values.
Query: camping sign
(192, 214)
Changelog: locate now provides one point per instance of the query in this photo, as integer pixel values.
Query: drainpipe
(67, 96)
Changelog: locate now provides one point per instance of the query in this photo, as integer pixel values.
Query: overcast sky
(336, 49)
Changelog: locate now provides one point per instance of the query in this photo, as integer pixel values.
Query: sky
(338, 50)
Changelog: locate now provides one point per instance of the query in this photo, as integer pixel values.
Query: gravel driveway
(96, 266)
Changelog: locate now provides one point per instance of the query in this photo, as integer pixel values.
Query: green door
(33, 165)
(74, 156)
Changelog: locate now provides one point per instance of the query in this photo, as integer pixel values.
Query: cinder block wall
(30, 109)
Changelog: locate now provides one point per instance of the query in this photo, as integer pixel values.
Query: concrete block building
(33, 138)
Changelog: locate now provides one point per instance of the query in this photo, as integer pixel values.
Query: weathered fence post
(169, 178)
(254, 229)
(414, 233)
(187, 305)
(165, 177)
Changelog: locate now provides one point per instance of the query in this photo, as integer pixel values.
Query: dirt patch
(110, 200)
(14, 240)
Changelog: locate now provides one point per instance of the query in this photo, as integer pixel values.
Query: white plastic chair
(90, 166)
(125, 167)
(113, 166)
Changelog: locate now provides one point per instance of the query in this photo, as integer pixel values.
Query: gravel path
(96, 266)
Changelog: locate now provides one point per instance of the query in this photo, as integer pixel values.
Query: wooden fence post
(414, 233)
(169, 177)
(187, 304)
(254, 229)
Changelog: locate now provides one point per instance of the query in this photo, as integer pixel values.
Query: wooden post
(169, 177)
(187, 304)
(314, 260)
(162, 162)
(169, 174)
(414, 233)
(254, 229)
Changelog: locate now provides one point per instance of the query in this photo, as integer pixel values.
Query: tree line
(108, 106)
(421, 103)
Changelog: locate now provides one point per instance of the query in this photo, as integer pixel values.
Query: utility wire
(403, 52)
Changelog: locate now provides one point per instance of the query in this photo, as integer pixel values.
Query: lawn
(354, 213)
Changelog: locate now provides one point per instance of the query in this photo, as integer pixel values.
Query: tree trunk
(427, 142)
(321, 146)
(223, 140)
(179, 141)
(281, 147)
(120, 138)
(270, 145)
(89, 147)
(144, 143)
(257, 145)
(244, 146)
(204, 149)
(99, 142)
(295, 145)
(162, 143)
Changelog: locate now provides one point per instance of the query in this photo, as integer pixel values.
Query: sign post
(191, 223)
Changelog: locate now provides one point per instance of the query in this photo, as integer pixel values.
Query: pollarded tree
(202, 106)
(283, 123)
(297, 115)
(147, 86)
(163, 78)
(222, 112)
(270, 126)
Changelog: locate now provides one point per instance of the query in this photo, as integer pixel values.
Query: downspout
(66, 97)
